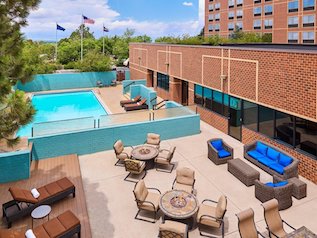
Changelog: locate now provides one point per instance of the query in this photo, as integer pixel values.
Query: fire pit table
(179, 206)
(145, 153)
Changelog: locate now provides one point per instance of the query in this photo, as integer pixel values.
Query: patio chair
(247, 228)
(133, 100)
(65, 225)
(212, 216)
(134, 167)
(24, 203)
(219, 151)
(273, 219)
(146, 200)
(153, 139)
(185, 180)
(164, 158)
(99, 84)
(173, 229)
(121, 153)
(136, 106)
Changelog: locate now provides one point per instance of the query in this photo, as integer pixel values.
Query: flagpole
(56, 43)
(103, 39)
(82, 35)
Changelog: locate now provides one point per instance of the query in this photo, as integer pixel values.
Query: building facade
(250, 94)
(287, 21)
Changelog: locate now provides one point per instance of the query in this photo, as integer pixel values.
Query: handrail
(128, 85)
(153, 99)
(155, 105)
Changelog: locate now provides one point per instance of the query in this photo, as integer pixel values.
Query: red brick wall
(307, 166)
(213, 119)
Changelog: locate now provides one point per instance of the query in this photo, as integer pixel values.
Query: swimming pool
(63, 106)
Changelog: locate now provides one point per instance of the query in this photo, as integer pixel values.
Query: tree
(77, 33)
(95, 61)
(18, 111)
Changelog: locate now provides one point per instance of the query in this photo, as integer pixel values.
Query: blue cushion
(273, 154)
(217, 144)
(255, 154)
(285, 160)
(280, 184)
(260, 147)
(265, 160)
(270, 184)
(277, 167)
(223, 153)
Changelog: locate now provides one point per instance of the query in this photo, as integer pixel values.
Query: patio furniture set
(282, 167)
(136, 103)
(37, 204)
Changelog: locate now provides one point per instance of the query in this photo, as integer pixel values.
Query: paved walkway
(111, 205)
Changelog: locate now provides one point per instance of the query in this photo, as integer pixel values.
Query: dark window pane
(217, 102)
(250, 115)
(208, 98)
(308, 135)
(163, 81)
(284, 130)
(198, 98)
(266, 121)
(225, 105)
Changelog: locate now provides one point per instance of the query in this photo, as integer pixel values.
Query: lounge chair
(273, 219)
(63, 226)
(134, 167)
(153, 139)
(23, 202)
(136, 106)
(146, 200)
(173, 229)
(212, 216)
(99, 84)
(164, 158)
(185, 180)
(121, 153)
(130, 101)
(247, 228)
(219, 151)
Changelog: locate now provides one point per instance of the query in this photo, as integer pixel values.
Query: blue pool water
(63, 106)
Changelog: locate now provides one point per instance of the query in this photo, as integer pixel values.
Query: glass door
(184, 93)
(235, 117)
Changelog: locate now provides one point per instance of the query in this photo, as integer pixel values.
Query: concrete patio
(111, 205)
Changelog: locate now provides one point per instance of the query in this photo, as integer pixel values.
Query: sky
(152, 17)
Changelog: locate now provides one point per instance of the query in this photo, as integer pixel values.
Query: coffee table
(145, 153)
(40, 212)
(180, 206)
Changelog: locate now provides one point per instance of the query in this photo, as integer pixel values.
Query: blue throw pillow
(217, 144)
(285, 160)
(280, 184)
(270, 184)
(260, 147)
(273, 154)
(255, 154)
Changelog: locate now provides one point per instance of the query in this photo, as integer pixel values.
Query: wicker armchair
(213, 153)
(283, 194)
(134, 167)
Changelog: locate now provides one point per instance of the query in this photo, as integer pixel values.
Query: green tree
(18, 111)
(95, 61)
(77, 33)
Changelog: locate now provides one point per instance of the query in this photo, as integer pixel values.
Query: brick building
(249, 93)
(288, 21)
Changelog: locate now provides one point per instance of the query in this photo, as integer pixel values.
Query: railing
(159, 105)
(128, 85)
(166, 113)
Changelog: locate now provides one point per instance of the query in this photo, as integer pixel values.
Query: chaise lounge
(136, 106)
(24, 203)
(65, 225)
(271, 160)
(130, 101)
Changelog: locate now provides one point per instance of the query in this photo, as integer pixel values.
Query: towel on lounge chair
(29, 234)
(136, 106)
(35, 193)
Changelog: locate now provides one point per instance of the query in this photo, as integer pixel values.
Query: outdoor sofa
(65, 225)
(271, 159)
(24, 203)
(219, 151)
(136, 106)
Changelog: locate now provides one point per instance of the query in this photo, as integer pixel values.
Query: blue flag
(58, 27)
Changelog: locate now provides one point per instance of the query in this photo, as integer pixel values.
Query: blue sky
(152, 17)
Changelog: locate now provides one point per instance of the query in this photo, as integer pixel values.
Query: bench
(242, 171)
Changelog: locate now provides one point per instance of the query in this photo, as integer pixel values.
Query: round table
(180, 206)
(145, 153)
(40, 212)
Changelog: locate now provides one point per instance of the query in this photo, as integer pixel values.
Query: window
(268, 10)
(266, 121)
(217, 102)
(293, 21)
(257, 1)
(268, 23)
(217, 6)
(257, 11)
(250, 115)
(210, 28)
(292, 37)
(239, 3)
(207, 95)
(308, 20)
(217, 27)
(308, 136)
(163, 81)
(257, 24)
(230, 15)
(217, 17)
(231, 3)
(284, 127)
(230, 26)
(239, 14)
(210, 17)
(240, 25)
(308, 37)
(293, 6)
(308, 5)
(211, 7)
(198, 98)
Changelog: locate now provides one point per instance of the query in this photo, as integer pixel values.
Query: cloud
(201, 13)
(188, 4)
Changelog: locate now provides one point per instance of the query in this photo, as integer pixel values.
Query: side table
(40, 212)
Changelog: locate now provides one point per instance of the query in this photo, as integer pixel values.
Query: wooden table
(145, 153)
(302, 232)
(180, 206)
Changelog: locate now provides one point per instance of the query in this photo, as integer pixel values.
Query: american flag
(88, 20)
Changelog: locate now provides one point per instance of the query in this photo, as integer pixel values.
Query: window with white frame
(210, 27)
(210, 17)
(257, 24)
(217, 27)
(230, 26)
(257, 11)
(292, 21)
(308, 20)
(211, 7)
(231, 3)
(292, 37)
(231, 15)
(308, 37)
(217, 6)
(240, 25)
(239, 3)
(268, 9)
(217, 17)
(239, 14)
(268, 23)
(293, 6)
(308, 4)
